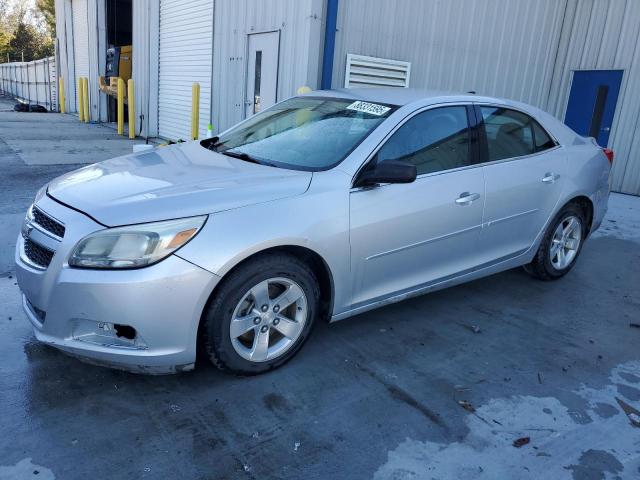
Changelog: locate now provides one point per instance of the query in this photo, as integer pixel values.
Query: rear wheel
(560, 245)
(261, 315)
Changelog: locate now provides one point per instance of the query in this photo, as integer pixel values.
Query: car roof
(402, 96)
(407, 96)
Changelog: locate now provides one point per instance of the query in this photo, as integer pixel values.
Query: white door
(186, 53)
(80, 23)
(262, 71)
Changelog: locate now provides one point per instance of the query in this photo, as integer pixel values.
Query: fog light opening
(124, 331)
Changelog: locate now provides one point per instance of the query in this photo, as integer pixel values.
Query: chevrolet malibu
(322, 207)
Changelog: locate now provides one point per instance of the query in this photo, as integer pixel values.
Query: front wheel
(261, 315)
(560, 246)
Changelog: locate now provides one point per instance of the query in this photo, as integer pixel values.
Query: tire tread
(261, 263)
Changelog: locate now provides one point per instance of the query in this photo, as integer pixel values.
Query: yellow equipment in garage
(118, 66)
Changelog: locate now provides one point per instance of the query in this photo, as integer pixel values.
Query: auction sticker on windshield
(370, 108)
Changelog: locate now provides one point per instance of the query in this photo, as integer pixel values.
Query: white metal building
(578, 59)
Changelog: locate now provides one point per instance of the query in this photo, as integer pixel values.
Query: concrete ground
(440, 386)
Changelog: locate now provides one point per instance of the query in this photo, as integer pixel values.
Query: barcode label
(370, 108)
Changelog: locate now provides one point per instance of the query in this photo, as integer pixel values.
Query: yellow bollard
(120, 106)
(85, 94)
(80, 100)
(61, 94)
(195, 110)
(132, 109)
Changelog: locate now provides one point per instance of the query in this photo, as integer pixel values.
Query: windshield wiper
(243, 156)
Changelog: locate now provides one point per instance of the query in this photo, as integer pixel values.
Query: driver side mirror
(389, 171)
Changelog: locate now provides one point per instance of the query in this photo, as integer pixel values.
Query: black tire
(219, 312)
(541, 266)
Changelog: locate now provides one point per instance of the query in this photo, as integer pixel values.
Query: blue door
(592, 103)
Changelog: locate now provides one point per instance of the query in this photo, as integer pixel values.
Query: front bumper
(82, 312)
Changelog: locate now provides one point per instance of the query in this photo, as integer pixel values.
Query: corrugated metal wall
(520, 49)
(64, 51)
(300, 24)
(605, 34)
(97, 58)
(497, 47)
(81, 54)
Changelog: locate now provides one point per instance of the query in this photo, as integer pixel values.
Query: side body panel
(406, 235)
(519, 202)
(589, 176)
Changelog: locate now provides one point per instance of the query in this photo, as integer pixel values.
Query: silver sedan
(322, 207)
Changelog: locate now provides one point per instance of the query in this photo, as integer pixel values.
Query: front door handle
(550, 177)
(467, 198)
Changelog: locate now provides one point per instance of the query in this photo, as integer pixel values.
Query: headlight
(136, 245)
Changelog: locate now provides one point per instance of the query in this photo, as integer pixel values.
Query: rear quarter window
(542, 139)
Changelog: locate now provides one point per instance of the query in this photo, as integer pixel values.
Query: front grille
(48, 223)
(37, 254)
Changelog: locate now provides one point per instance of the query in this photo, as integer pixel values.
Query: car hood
(170, 182)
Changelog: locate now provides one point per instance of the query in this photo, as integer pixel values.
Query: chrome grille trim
(48, 223)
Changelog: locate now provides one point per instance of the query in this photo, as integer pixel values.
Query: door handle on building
(467, 198)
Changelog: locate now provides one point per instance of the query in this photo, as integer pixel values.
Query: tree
(5, 30)
(25, 44)
(26, 30)
(47, 9)
(4, 45)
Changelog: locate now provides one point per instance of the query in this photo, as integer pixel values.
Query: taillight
(609, 153)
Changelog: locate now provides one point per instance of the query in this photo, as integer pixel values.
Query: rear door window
(512, 134)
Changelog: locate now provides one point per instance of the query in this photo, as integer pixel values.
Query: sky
(31, 4)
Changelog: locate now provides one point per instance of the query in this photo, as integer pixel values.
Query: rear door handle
(550, 177)
(467, 198)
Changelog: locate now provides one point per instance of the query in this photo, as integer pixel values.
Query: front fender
(317, 220)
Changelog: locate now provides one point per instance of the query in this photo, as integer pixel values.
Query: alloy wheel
(565, 242)
(268, 319)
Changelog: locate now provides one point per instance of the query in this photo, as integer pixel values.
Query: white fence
(33, 82)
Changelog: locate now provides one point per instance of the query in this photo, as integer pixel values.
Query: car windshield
(303, 133)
